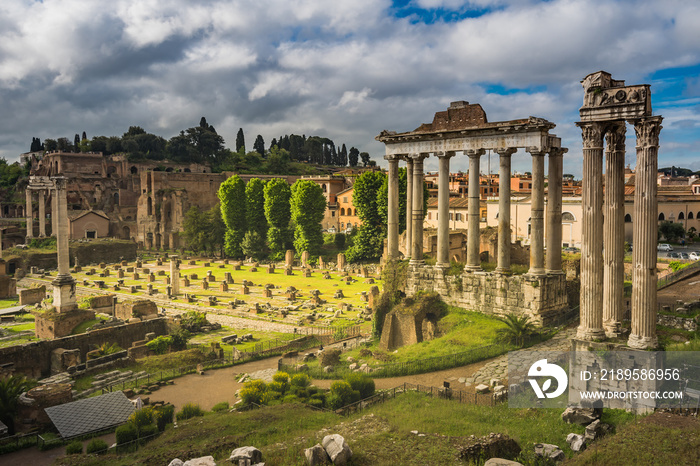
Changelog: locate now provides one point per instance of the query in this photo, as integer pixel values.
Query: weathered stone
(329, 357)
(482, 388)
(337, 448)
(581, 416)
(501, 462)
(316, 455)
(547, 450)
(597, 429)
(243, 453)
(176, 462)
(576, 442)
(201, 461)
(499, 445)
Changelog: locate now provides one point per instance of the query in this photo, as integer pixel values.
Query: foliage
(179, 338)
(301, 380)
(277, 162)
(678, 265)
(188, 411)
(160, 344)
(339, 240)
(233, 212)
(240, 140)
(369, 239)
(199, 144)
(126, 434)
(671, 231)
(362, 383)
(342, 394)
(163, 416)
(518, 328)
(106, 349)
(204, 231)
(43, 243)
(96, 445)
(10, 389)
(253, 391)
(141, 418)
(307, 205)
(278, 215)
(74, 448)
(253, 245)
(218, 407)
(10, 173)
(259, 145)
(193, 321)
(255, 207)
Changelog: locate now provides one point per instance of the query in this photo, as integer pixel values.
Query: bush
(281, 377)
(147, 433)
(342, 394)
(160, 345)
(126, 433)
(339, 240)
(74, 448)
(179, 338)
(218, 407)
(163, 416)
(141, 418)
(193, 321)
(279, 387)
(188, 411)
(253, 391)
(362, 383)
(96, 445)
(301, 380)
(290, 399)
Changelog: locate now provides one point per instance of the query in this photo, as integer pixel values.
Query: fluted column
(473, 212)
(393, 208)
(644, 235)
(54, 215)
(537, 214)
(174, 276)
(42, 213)
(591, 311)
(409, 206)
(614, 230)
(29, 213)
(417, 233)
(504, 155)
(443, 235)
(64, 284)
(554, 185)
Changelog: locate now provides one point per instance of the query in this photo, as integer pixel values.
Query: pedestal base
(64, 293)
(640, 342)
(590, 334)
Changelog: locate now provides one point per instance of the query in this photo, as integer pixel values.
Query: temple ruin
(463, 127)
(607, 106)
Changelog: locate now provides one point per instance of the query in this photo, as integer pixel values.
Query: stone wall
(682, 323)
(107, 250)
(32, 295)
(544, 299)
(50, 324)
(103, 304)
(137, 308)
(34, 359)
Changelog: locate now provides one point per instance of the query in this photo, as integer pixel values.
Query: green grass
(5, 303)
(258, 337)
(83, 326)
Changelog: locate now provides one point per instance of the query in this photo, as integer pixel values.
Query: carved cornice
(592, 134)
(647, 131)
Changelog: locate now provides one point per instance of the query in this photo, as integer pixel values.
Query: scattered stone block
(251, 454)
(576, 442)
(581, 416)
(316, 455)
(337, 448)
(547, 450)
(482, 388)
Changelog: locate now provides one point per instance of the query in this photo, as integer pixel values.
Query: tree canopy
(308, 205)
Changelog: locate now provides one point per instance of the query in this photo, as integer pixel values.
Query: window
(450, 216)
(430, 215)
(628, 218)
(345, 199)
(458, 217)
(90, 234)
(332, 213)
(342, 211)
(521, 186)
(690, 215)
(661, 217)
(567, 217)
(681, 216)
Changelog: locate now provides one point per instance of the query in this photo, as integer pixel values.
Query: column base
(612, 329)
(416, 263)
(473, 268)
(590, 334)
(554, 272)
(640, 342)
(503, 270)
(442, 266)
(64, 293)
(536, 272)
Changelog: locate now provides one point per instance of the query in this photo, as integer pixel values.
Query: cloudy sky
(345, 69)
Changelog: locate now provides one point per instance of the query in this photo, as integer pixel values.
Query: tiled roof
(91, 414)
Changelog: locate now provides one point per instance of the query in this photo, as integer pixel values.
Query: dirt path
(686, 290)
(34, 457)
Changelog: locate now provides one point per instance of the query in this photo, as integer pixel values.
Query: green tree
(50, 145)
(233, 211)
(353, 156)
(259, 145)
(240, 141)
(308, 206)
(10, 390)
(36, 145)
(364, 156)
(517, 330)
(76, 143)
(368, 241)
(253, 245)
(277, 161)
(671, 231)
(278, 214)
(215, 230)
(194, 229)
(255, 207)
(64, 145)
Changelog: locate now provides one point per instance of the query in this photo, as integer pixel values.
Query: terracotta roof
(76, 214)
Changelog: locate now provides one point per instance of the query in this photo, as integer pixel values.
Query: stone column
(644, 235)
(64, 284)
(1, 243)
(556, 168)
(174, 276)
(473, 213)
(42, 213)
(537, 214)
(409, 206)
(614, 230)
(443, 236)
(504, 210)
(54, 214)
(417, 217)
(393, 208)
(591, 311)
(29, 213)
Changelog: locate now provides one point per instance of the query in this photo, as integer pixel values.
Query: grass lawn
(258, 337)
(380, 435)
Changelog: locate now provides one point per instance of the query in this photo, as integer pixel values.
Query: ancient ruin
(607, 106)
(464, 128)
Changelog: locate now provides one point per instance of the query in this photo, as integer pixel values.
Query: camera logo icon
(542, 368)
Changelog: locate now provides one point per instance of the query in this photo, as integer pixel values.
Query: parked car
(664, 247)
(694, 256)
(684, 255)
(673, 254)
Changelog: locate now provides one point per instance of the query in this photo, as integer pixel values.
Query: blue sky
(345, 69)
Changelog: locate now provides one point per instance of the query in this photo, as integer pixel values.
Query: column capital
(60, 182)
(615, 136)
(475, 152)
(647, 131)
(535, 151)
(445, 154)
(592, 133)
(506, 152)
(557, 151)
(418, 157)
(393, 157)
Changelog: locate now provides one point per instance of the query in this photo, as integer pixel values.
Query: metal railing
(673, 277)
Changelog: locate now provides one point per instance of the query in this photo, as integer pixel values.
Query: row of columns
(41, 198)
(414, 210)
(602, 248)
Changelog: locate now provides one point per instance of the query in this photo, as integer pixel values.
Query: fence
(685, 272)
(17, 442)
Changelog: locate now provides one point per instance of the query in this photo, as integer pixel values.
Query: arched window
(325, 189)
(681, 216)
(661, 217)
(116, 198)
(567, 217)
(628, 218)
(690, 215)
(149, 206)
(134, 170)
(342, 211)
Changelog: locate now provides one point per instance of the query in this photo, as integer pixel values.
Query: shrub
(279, 387)
(96, 445)
(147, 433)
(218, 407)
(342, 394)
(316, 403)
(163, 416)
(193, 321)
(179, 338)
(141, 418)
(188, 411)
(301, 380)
(281, 377)
(253, 391)
(269, 396)
(74, 448)
(362, 383)
(126, 433)
(160, 345)
(290, 399)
